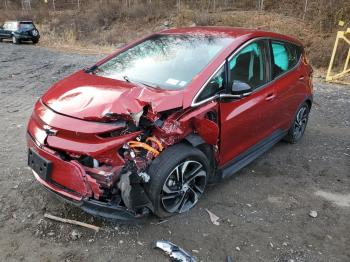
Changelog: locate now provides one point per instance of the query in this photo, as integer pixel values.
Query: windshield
(164, 61)
(26, 26)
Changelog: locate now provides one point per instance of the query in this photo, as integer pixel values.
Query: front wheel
(35, 41)
(15, 40)
(296, 132)
(178, 179)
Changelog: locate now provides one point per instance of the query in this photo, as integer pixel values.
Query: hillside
(103, 26)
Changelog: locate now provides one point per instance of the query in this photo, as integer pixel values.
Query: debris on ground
(159, 222)
(73, 222)
(75, 235)
(214, 218)
(175, 252)
(313, 213)
(229, 259)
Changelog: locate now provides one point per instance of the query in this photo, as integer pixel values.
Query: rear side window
(11, 26)
(284, 57)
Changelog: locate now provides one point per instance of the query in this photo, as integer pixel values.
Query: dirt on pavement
(264, 209)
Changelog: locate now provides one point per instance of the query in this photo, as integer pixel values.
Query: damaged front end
(101, 165)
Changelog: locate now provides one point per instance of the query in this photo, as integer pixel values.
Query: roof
(225, 31)
(210, 30)
(18, 21)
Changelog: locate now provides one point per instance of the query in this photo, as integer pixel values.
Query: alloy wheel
(300, 122)
(183, 187)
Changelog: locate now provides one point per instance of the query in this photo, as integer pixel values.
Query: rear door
(289, 81)
(249, 120)
(8, 28)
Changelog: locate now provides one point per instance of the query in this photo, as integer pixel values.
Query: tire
(35, 41)
(296, 132)
(166, 190)
(15, 40)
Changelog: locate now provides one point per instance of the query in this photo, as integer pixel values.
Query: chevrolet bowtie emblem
(50, 131)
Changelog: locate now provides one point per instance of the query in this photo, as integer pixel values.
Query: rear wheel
(296, 132)
(15, 40)
(178, 179)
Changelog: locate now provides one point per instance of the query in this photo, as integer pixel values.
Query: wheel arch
(208, 150)
(308, 101)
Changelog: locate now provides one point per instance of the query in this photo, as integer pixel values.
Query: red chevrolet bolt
(146, 129)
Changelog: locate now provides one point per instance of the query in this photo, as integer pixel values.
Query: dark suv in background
(19, 31)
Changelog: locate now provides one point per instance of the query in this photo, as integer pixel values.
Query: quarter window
(249, 65)
(285, 57)
(216, 84)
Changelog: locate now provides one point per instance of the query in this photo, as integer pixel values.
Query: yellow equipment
(341, 35)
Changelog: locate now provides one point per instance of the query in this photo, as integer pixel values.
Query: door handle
(270, 96)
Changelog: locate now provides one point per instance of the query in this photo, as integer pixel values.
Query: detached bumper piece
(175, 252)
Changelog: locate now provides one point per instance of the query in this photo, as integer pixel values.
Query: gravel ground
(263, 210)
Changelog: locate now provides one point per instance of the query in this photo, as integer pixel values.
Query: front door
(249, 120)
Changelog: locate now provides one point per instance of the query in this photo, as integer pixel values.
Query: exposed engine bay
(117, 172)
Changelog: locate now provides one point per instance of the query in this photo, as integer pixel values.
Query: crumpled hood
(91, 97)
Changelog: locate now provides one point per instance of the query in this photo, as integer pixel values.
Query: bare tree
(6, 4)
(26, 5)
(261, 4)
(305, 9)
(178, 3)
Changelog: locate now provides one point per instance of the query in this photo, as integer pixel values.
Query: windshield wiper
(127, 79)
(92, 69)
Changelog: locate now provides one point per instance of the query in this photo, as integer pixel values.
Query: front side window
(165, 61)
(284, 57)
(250, 65)
(215, 85)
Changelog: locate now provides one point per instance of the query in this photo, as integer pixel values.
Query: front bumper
(88, 189)
(105, 210)
(94, 207)
(26, 37)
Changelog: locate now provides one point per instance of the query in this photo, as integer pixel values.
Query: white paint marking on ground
(338, 199)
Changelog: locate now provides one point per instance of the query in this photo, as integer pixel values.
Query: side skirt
(251, 154)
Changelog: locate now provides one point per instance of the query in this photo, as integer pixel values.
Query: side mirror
(240, 88)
